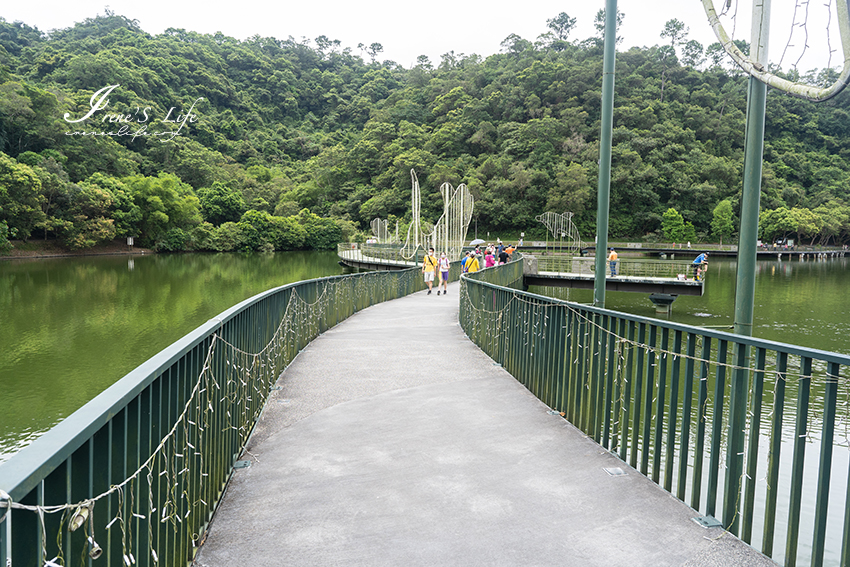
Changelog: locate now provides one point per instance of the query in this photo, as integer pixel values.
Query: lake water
(796, 302)
(70, 327)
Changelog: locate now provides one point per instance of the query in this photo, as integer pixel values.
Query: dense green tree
(319, 233)
(572, 190)
(287, 125)
(124, 211)
(220, 204)
(89, 222)
(165, 202)
(723, 220)
(673, 226)
(20, 197)
(5, 244)
(776, 223)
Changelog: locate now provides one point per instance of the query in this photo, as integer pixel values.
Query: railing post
(753, 446)
(735, 438)
(801, 431)
(638, 395)
(673, 415)
(649, 386)
(702, 401)
(687, 403)
(716, 428)
(825, 464)
(660, 405)
(610, 374)
(627, 393)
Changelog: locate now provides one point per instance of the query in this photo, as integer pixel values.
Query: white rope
(758, 71)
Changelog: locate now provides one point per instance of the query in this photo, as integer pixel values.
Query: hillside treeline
(212, 143)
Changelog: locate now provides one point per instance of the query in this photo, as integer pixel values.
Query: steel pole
(748, 237)
(604, 187)
(746, 275)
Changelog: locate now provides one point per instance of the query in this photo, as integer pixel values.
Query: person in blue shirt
(699, 262)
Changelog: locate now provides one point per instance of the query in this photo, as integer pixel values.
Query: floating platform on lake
(638, 284)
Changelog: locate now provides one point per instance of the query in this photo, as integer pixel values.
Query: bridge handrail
(649, 390)
(140, 468)
(626, 267)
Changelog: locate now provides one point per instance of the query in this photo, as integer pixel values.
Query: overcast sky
(409, 29)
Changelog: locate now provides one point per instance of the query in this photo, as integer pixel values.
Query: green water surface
(804, 303)
(70, 327)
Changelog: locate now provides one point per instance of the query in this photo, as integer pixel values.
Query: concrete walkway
(395, 441)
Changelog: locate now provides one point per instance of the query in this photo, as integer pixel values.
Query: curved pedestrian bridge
(350, 420)
(394, 440)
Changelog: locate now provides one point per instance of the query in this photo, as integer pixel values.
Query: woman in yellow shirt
(429, 268)
(472, 263)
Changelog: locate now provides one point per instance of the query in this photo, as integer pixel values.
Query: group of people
(434, 268)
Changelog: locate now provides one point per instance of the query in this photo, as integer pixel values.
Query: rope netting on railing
(163, 503)
(662, 396)
(535, 324)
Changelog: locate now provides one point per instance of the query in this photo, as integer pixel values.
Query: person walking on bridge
(429, 268)
(471, 264)
(444, 274)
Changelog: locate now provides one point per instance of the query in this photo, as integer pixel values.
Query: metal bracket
(708, 522)
(241, 464)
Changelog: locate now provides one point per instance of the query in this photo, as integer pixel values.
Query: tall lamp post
(604, 187)
(746, 276)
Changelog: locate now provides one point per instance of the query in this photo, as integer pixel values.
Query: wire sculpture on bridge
(449, 233)
(563, 230)
(380, 229)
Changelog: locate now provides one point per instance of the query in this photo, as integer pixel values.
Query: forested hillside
(283, 144)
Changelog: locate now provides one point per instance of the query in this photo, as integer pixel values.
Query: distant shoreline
(35, 249)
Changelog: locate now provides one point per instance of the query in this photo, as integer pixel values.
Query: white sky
(407, 29)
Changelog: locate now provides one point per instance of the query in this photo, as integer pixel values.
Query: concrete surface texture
(395, 441)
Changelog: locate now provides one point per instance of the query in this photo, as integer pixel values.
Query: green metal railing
(637, 268)
(389, 254)
(377, 253)
(135, 475)
(752, 432)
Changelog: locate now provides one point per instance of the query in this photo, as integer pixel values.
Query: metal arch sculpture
(449, 233)
(562, 228)
(380, 229)
(408, 250)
